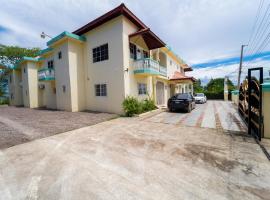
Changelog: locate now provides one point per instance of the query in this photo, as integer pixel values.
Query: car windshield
(183, 96)
(199, 95)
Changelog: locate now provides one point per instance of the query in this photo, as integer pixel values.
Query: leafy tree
(197, 86)
(217, 85)
(9, 55)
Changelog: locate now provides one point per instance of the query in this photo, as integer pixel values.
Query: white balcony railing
(46, 74)
(150, 66)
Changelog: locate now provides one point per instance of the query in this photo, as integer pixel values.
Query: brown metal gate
(250, 102)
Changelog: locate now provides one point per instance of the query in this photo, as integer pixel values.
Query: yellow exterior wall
(266, 113)
(109, 71)
(76, 75)
(15, 88)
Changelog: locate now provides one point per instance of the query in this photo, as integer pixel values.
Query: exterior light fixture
(44, 35)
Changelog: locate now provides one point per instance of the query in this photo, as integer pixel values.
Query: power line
(256, 20)
(261, 27)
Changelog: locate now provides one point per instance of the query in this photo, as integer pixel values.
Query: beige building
(98, 65)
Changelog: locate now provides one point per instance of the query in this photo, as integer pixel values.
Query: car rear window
(199, 95)
(183, 96)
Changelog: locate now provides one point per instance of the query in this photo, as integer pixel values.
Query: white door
(160, 93)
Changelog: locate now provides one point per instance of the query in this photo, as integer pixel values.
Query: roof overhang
(178, 77)
(65, 35)
(152, 41)
(120, 10)
(188, 69)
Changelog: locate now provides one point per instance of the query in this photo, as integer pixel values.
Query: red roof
(178, 76)
(120, 10)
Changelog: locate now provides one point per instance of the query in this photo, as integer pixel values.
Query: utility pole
(240, 66)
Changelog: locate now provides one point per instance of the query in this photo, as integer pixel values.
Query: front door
(160, 93)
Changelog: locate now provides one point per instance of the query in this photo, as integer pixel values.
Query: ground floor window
(142, 88)
(101, 90)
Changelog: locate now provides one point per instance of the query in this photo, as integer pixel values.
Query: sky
(207, 34)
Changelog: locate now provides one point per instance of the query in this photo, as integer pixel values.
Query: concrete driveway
(213, 114)
(19, 125)
(136, 159)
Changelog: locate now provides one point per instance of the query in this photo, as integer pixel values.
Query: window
(101, 90)
(64, 88)
(59, 55)
(170, 62)
(24, 70)
(133, 51)
(50, 64)
(100, 53)
(10, 79)
(145, 54)
(142, 88)
(11, 96)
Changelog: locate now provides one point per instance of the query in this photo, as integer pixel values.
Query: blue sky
(207, 34)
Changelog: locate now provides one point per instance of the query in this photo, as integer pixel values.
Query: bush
(147, 105)
(131, 106)
(4, 101)
(214, 95)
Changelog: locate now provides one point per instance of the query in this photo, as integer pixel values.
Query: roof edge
(66, 34)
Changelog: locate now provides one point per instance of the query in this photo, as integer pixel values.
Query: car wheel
(189, 109)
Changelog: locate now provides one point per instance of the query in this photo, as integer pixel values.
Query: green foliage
(214, 95)
(4, 101)
(148, 105)
(197, 86)
(9, 55)
(217, 85)
(132, 106)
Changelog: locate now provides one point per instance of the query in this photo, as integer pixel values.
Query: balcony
(46, 74)
(149, 66)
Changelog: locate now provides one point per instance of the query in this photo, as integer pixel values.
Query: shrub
(147, 105)
(131, 106)
(4, 101)
(214, 95)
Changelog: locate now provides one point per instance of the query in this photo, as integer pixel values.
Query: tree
(197, 86)
(217, 85)
(9, 55)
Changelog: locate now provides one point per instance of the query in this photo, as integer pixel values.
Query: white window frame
(142, 89)
(102, 91)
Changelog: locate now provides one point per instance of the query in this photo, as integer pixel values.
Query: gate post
(266, 107)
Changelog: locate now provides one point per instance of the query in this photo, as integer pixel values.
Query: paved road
(130, 158)
(213, 114)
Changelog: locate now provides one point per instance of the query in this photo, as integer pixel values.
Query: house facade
(98, 65)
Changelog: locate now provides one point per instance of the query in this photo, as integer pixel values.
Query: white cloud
(197, 29)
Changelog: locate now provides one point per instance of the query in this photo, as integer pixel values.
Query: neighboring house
(98, 65)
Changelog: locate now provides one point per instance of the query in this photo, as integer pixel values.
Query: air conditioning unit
(41, 86)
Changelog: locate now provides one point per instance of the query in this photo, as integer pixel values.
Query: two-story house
(98, 65)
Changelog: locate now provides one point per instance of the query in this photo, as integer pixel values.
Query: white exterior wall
(110, 71)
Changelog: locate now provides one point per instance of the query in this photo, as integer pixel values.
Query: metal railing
(150, 64)
(46, 74)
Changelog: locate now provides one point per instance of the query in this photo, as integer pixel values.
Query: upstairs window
(100, 53)
(101, 90)
(133, 51)
(59, 55)
(145, 54)
(50, 64)
(142, 88)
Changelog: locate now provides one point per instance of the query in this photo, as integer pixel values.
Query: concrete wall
(32, 84)
(109, 71)
(15, 88)
(77, 75)
(266, 112)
